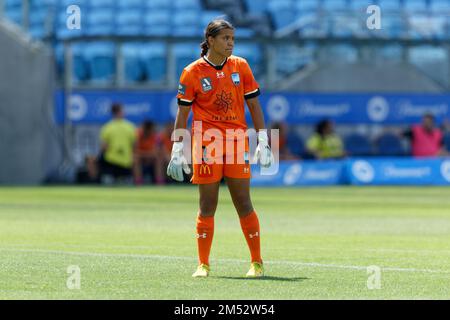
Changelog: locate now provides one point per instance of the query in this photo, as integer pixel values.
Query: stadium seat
(181, 5)
(334, 5)
(100, 22)
(389, 144)
(357, 145)
(412, 6)
(185, 53)
(255, 6)
(209, 15)
(157, 22)
(186, 23)
(102, 4)
(295, 144)
(101, 58)
(283, 13)
(447, 141)
(390, 5)
(440, 7)
(129, 22)
(157, 4)
(14, 14)
(134, 67)
(130, 4)
(154, 55)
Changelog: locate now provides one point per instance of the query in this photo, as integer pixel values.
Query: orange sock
(250, 227)
(205, 232)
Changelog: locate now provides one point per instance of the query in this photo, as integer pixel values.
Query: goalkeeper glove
(263, 151)
(178, 163)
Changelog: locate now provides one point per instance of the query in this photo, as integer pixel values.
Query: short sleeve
(186, 92)
(251, 87)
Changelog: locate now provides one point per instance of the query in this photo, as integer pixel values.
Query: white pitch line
(227, 260)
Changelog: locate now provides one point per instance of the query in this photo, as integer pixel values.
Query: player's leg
(240, 193)
(209, 194)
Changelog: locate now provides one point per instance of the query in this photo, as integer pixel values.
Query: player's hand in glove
(178, 163)
(263, 152)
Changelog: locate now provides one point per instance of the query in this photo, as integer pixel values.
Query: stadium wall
(28, 144)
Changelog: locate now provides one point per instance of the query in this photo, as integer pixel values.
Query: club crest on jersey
(206, 84)
(236, 79)
(220, 74)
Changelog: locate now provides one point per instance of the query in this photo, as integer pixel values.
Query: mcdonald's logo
(205, 171)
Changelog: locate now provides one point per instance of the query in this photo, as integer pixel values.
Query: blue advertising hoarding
(92, 107)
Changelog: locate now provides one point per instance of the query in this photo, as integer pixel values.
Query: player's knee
(244, 207)
(208, 208)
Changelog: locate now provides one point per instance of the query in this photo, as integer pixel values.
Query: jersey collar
(217, 67)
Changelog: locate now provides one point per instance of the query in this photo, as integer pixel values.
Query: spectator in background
(426, 139)
(324, 143)
(117, 138)
(284, 151)
(151, 153)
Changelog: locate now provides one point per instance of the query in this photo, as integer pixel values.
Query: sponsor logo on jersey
(236, 78)
(206, 84)
(181, 89)
(205, 171)
(223, 101)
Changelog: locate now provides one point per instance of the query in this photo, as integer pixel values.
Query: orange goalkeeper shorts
(207, 172)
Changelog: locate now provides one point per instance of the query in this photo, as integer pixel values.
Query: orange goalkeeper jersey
(217, 94)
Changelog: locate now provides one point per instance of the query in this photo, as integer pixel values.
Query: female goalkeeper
(216, 87)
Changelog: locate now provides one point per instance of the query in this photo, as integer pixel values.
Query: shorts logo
(246, 158)
(205, 171)
(246, 170)
(206, 84)
(182, 89)
(236, 79)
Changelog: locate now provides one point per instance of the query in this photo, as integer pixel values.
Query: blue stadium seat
(447, 141)
(100, 22)
(102, 4)
(394, 26)
(12, 3)
(154, 55)
(295, 144)
(130, 4)
(389, 5)
(253, 6)
(157, 23)
(283, 12)
(357, 145)
(181, 5)
(101, 60)
(360, 5)
(389, 144)
(134, 66)
(14, 14)
(244, 33)
(158, 4)
(186, 23)
(412, 6)
(209, 15)
(440, 6)
(250, 52)
(307, 6)
(185, 53)
(80, 3)
(129, 22)
(335, 5)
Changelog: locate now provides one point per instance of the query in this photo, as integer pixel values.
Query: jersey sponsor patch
(182, 89)
(205, 171)
(236, 78)
(223, 101)
(206, 84)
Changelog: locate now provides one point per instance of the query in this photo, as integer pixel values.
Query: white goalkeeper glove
(177, 163)
(263, 152)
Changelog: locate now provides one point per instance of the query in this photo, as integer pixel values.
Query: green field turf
(139, 243)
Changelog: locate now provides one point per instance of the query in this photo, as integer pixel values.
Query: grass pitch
(139, 243)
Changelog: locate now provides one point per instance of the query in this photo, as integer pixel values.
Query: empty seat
(100, 22)
(335, 5)
(153, 55)
(185, 53)
(180, 5)
(358, 145)
(253, 6)
(129, 22)
(186, 23)
(101, 58)
(412, 6)
(440, 6)
(389, 5)
(134, 66)
(389, 144)
(157, 4)
(157, 23)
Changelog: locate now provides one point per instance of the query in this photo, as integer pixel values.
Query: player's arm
(256, 112)
(182, 117)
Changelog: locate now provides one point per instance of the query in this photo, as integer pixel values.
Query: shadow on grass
(287, 279)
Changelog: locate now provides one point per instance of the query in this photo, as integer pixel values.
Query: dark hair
(148, 126)
(429, 115)
(320, 127)
(212, 30)
(116, 108)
